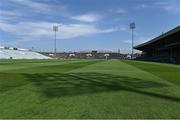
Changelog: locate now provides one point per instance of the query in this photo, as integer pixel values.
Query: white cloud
(87, 18)
(18, 10)
(38, 30)
(33, 5)
(44, 7)
(8, 15)
(142, 6)
(117, 10)
(171, 6)
(121, 11)
(138, 40)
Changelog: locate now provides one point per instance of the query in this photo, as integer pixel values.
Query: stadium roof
(171, 32)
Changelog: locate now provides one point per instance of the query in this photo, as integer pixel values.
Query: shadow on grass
(71, 84)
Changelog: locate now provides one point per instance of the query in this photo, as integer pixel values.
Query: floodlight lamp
(132, 25)
(55, 28)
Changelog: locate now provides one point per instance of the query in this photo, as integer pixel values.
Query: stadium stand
(11, 53)
(86, 55)
(164, 48)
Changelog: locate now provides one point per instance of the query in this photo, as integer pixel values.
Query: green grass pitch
(88, 89)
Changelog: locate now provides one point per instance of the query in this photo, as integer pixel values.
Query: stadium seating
(20, 54)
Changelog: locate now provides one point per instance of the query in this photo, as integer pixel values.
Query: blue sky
(84, 24)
